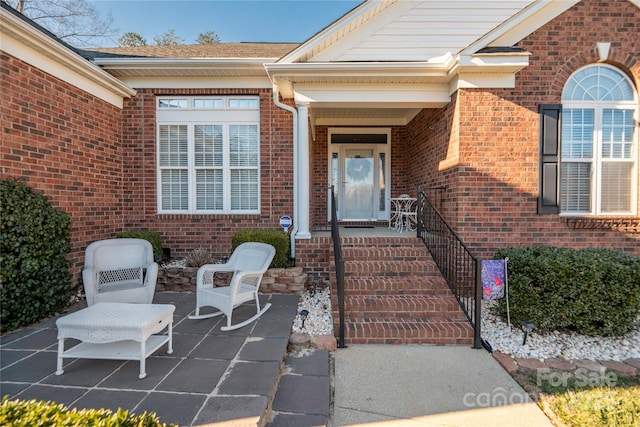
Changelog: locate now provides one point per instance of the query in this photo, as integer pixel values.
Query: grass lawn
(585, 399)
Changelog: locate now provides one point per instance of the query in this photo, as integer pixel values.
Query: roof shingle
(215, 50)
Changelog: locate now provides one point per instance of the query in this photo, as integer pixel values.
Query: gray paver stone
(236, 411)
(309, 362)
(250, 378)
(302, 395)
(178, 408)
(264, 349)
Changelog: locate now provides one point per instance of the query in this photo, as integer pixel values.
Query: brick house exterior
(478, 134)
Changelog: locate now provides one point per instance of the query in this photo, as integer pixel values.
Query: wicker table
(116, 331)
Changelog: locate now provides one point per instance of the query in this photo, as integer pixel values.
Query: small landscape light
(526, 328)
(303, 316)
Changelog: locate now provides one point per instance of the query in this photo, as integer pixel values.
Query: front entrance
(359, 173)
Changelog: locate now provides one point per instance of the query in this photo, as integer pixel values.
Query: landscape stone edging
(275, 280)
(627, 368)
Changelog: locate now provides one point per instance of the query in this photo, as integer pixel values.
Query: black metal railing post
(339, 263)
(461, 270)
(477, 337)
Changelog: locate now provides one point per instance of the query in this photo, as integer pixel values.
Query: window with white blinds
(208, 155)
(599, 143)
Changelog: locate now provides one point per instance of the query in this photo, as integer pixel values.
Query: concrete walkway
(406, 385)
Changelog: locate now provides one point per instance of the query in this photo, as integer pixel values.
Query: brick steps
(427, 285)
(402, 306)
(395, 294)
(391, 268)
(408, 331)
(400, 253)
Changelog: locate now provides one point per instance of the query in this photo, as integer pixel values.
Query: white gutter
(296, 199)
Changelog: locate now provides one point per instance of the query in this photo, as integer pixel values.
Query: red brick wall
(493, 201)
(64, 142)
(183, 233)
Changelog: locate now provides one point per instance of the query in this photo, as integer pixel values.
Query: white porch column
(303, 171)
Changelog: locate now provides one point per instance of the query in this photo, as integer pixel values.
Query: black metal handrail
(458, 266)
(339, 262)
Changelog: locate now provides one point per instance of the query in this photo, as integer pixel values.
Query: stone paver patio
(211, 376)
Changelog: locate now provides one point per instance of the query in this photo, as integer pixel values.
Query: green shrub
(35, 281)
(589, 291)
(152, 237)
(277, 238)
(31, 413)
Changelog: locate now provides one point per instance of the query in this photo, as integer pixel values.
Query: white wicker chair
(248, 263)
(119, 270)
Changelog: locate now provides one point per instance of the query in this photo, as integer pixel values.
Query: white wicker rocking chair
(248, 263)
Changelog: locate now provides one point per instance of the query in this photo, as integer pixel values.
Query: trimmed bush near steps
(590, 291)
(35, 281)
(38, 413)
(277, 238)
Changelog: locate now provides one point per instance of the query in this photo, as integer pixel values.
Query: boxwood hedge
(35, 281)
(592, 291)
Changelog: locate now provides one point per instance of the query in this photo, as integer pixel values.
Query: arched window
(599, 143)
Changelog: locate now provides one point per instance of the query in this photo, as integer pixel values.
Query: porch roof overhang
(390, 93)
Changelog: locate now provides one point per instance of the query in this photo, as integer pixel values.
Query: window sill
(624, 224)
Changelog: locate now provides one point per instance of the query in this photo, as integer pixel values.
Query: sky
(232, 20)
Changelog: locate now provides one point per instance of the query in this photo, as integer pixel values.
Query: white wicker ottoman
(116, 331)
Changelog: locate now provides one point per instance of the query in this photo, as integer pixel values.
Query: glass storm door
(358, 184)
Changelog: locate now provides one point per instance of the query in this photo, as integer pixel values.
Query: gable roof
(394, 30)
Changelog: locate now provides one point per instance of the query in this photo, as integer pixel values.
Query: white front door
(359, 174)
(358, 185)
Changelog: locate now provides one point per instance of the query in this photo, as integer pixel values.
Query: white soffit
(28, 44)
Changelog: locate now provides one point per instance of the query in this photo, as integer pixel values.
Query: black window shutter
(549, 193)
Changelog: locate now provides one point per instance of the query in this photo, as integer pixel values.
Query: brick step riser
(387, 254)
(410, 305)
(376, 269)
(359, 242)
(406, 292)
(427, 285)
(410, 341)
(390, 316)
(438, 333)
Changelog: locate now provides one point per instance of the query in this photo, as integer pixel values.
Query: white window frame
(218, 112)
(597, 160)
